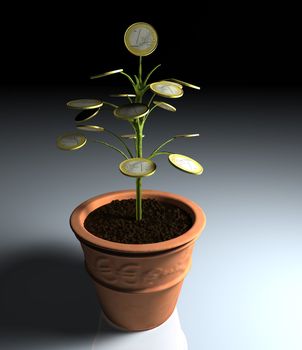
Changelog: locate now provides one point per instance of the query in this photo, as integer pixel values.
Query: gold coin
(166, 89)
(122, 95)
(185, 164)
(86, 114)
(186, 135)
(140, 39)
(186, 84)
(90, 128)
(85, 104)
(131, 111)
(129, 136)
(106, 73)
(165, 106)
(137, 167)
(71, 141)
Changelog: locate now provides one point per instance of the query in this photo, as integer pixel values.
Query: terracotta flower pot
(137, 284)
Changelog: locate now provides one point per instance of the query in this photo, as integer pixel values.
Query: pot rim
(80, 213)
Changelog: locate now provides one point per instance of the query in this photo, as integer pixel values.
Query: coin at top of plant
(140, 39)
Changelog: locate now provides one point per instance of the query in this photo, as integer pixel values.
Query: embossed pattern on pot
(160, 271)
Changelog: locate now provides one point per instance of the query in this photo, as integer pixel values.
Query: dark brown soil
(116, 222)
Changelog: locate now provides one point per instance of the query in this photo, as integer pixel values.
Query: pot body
(137, 284)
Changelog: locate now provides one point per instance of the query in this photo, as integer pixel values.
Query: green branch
(121, 140)
(109, 104)
(133, 124)
(159, 153)
(129, 78)
(136, 79)
(147, 115)
(113, 147)
(151, 99)
(161, 146)
(149, 75)
(151, 109)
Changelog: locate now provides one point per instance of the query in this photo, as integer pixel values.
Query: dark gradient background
(244, 288)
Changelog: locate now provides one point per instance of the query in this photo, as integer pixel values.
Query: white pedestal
(167, 336)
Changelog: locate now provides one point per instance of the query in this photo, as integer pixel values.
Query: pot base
(137, 311)
(168, 336)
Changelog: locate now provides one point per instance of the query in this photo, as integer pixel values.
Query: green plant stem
(121, 140)
(140, 70)
(139, 126)
(161, 146)
(138, 209)
(139, 154)
(113, 147)
(134, 126)
(139, 142)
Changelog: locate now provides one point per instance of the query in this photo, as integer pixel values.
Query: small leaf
(136, 79)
